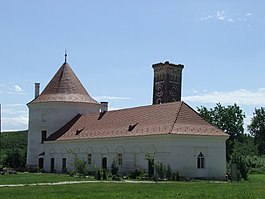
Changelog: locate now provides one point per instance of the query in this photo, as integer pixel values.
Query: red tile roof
(64, 87)
(169, 118)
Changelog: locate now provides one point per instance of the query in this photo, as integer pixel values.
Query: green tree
(257, 129)
(230, 119)
(14, 148)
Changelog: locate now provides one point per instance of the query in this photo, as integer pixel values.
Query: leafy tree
(245, 147)
(230, 119)
(14, 148)
(257, 129)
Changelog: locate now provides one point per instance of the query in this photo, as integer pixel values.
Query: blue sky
(112, 45)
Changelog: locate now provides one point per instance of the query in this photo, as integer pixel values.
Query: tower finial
(65, 56)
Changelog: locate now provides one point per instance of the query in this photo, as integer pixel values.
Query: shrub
(116, 178)
(143, 175)
(114, 167)
(98, 175)
(134, 174)
(168, 172)
(242, 166)
(260, 170)
(160, 169)
(104, 175)
(79, 164)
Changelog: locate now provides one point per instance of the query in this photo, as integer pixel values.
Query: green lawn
(253, 188)
(29, 178)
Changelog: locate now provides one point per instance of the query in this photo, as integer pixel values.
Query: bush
(114, 167)
(160, 169)
(168, 172)
(242, 166)
(116, 178)
(134, 174)
(104, 175)
(79, 164)
(175, 176)
(98, 175)
(260, 170)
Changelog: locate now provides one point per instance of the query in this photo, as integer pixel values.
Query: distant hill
(14, 148)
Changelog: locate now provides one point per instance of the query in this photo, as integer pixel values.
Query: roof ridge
(176, 118)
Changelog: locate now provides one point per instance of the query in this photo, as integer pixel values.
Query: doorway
(52, 165)
(41, 164)
(151, 169)
(104, 163)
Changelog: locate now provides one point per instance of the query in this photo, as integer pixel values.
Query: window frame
(200, 161)
(89, 158)
(120, 159)
(43, 136)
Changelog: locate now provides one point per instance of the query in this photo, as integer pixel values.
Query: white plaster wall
(180, 152)
(50, 116)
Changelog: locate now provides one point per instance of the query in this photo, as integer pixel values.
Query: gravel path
(73, 182)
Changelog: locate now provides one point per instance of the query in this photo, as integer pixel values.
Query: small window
(43, 117)
(43, 136)
(120, 158)
(89, 158)
(200, 161)
(64, 165)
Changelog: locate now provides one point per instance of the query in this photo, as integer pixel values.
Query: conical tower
(63, 98)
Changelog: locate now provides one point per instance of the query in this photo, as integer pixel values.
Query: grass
(253, 188)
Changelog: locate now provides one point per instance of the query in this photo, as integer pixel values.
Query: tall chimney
(167, 82)
(37, 89)
(103, 106)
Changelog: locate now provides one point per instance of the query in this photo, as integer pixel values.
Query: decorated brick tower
(167, 82)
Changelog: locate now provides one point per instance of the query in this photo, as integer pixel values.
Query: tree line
(13, 147)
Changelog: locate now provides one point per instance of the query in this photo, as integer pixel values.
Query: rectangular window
(52, 165)
(43, 117)
(89, 158)
(64, 165)
(120, 158)
(43, 136)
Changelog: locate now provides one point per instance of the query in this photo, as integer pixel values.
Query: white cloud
(18, 89)
(14, 117)
(241, 96)
(15, 105)
(14, 109)
(11, 89)
(111, 98)
(15, 123)
(221, 15)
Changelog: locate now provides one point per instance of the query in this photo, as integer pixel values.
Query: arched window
(200, 161)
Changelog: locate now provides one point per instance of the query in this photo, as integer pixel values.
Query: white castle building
(64, 117)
